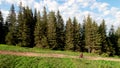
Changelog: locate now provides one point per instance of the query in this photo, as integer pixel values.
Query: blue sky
(114, 3)
(98, 9)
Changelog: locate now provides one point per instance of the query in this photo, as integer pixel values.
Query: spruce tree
(44, 28)
(96, 39)
(51, 30)
(102, 31)
(76, 35)
(69, 35)
(117, 33)
(6, 30)
(28, 28)
(82, 47)
(88, 34)
(60, 31)
(40, 41)
(44, 22)
(112, 39)
(38, 31)
(20, 21)
(1, 29)
(11, 37)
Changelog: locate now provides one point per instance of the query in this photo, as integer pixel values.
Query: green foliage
(88, 34)
(2, 32)
(102, 32)
(60, 32)
(51, 30)
(40, 39)
(11, 19)
(25, 27)
(69, 35)
(117, 33)
(76, 35)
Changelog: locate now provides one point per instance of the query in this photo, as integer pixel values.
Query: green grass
(39, 50)
(9, 61)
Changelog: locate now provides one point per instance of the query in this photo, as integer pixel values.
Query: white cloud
(29, 3)
(100, 6)
(0, 1)
(106, 12)
(10, 1)
(5, 13)
(78, 8)
(52, 5)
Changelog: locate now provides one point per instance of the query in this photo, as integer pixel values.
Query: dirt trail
(31, 54)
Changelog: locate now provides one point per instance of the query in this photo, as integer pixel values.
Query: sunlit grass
(9, 61)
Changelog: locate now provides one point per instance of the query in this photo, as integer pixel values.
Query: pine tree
(6, 30)
(28, 28)
(38, 31)
(82, 47)
(102, 31)
(44, 21)
(96, 39)
(112, 39)
(76, 35)
(69, 35)
(31, 26)
(20, 21)
(51, 30)
(11, 37)
(1, 28)
(35, 16)
(88, 34)
(117, 33)
(60, 31)
(40, 41)
(44, 29)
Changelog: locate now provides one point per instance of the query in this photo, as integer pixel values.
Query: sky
(97, 9)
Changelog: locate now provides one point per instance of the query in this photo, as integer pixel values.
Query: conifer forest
(33, 28)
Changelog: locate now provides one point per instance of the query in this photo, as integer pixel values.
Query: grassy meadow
(11, 61)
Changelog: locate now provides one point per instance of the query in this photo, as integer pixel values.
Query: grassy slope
(8, 61)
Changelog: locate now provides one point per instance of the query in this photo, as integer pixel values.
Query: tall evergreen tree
(112, 39)
(11, 37)
(44, 21)
(88, 34)
(20, 21)
(40, 40)
(96, 39)
(6, 30)
(76, 35)
(69, 35)
(38, 31)
(35, 16)
(102, 31)
(117, 33)
(1, 28)
(51, 30)
(82, 47)
(44, 28)
(60, 31)
(28, 28)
